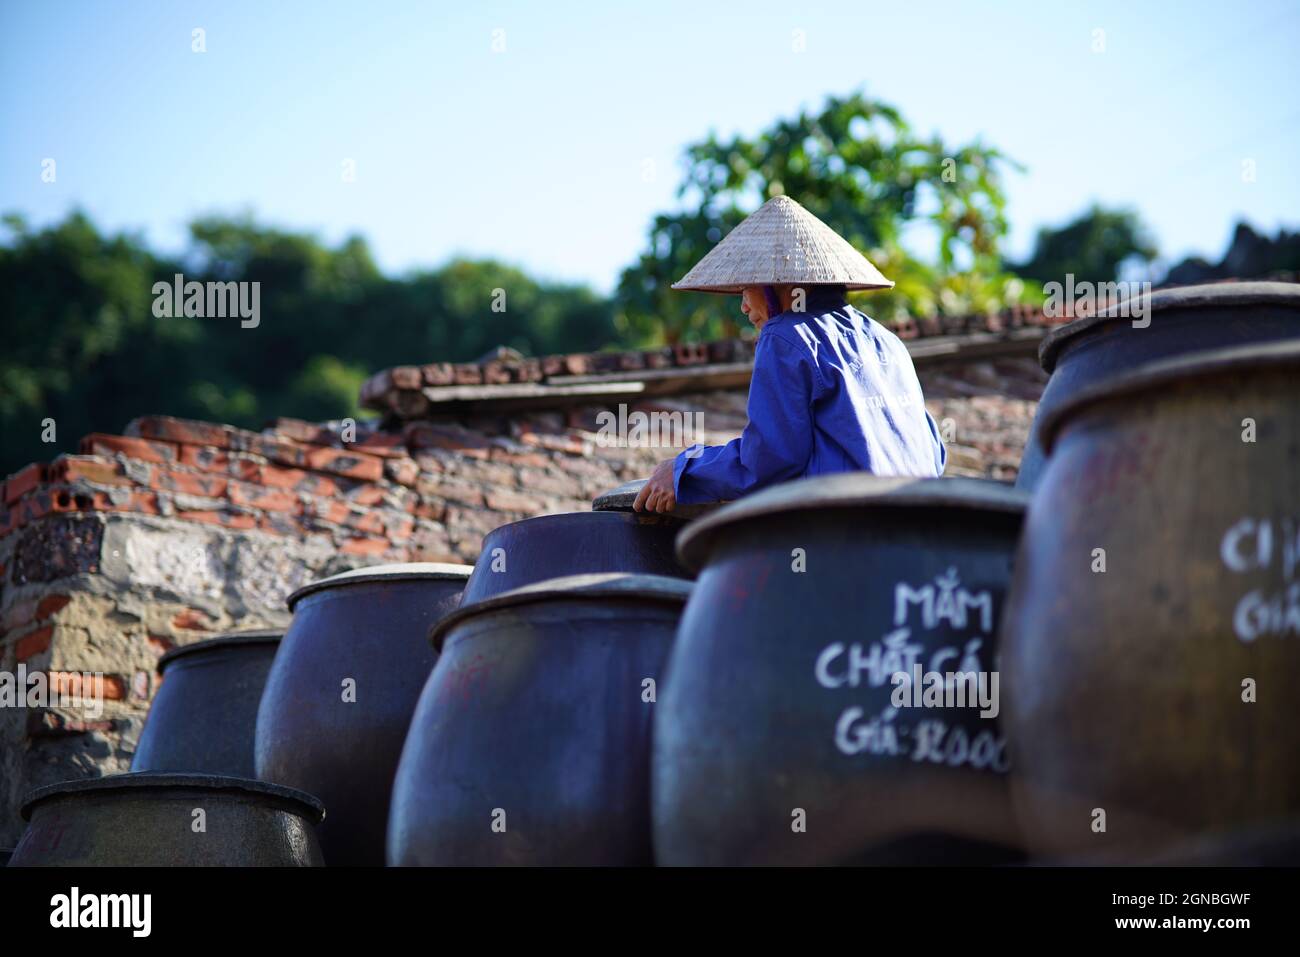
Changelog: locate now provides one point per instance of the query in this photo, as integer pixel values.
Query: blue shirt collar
(818, 300)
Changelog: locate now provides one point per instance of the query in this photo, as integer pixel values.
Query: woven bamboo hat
(781, 242)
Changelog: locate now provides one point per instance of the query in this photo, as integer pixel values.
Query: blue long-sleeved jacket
(833, 391)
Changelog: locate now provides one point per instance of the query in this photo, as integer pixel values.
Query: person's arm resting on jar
(775, 445)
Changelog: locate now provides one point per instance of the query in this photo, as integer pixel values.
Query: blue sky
(537, 155)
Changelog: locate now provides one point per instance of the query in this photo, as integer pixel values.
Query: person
(832, 389)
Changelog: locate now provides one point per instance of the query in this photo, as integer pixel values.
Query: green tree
(1092, 247)
(858, 166)
(84, 348)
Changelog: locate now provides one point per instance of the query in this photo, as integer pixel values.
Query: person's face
(754, 305)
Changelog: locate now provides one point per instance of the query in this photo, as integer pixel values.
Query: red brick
(353, 465)
(188, 483)
(504, 501)
(191, 619)
(386, 445)
(364, 546)
(370, 521)
(520, 458)
(112, 687)
(144, 502)
(283, 523)
(283, 451)
(403, 471)
(302, 431)
(451, 490)
(406, 377)
(51, 605)
(207, 459)
(23, 481)
(34, 644)
(492, 473)
(399, 528)
(690, 353)
(242, 520)
(249, 470)
(331, 510)
(467, 374)
(185, 431)
(578, 364)
(436, 463)
(50, 724)
(298, 480)
(432, 508)
(71, 498)
(594, 469)
(318, 485)
(438, 373)
(57, 498)
(546, 481)
(383, 447)
(425, 435)
(255, 496)
(143, 449)
(367, 495)
(555, 443)
(433, 552)
(87, 468)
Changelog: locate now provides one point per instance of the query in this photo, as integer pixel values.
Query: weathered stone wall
(109, 593)
(179, 530)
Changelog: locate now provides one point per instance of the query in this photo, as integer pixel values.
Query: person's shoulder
(782, 333)
(877, 329)
(866, 319)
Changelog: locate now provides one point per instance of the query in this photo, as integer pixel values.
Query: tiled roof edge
(408, 392)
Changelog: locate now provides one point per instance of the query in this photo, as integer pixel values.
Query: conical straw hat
(781, 242)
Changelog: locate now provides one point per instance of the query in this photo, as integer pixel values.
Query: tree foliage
(1092, 247)
(859, 167)
(83, 347)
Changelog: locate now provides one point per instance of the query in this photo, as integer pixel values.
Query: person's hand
(657, 495)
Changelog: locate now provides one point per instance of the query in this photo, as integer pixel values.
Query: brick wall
(176, 530)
